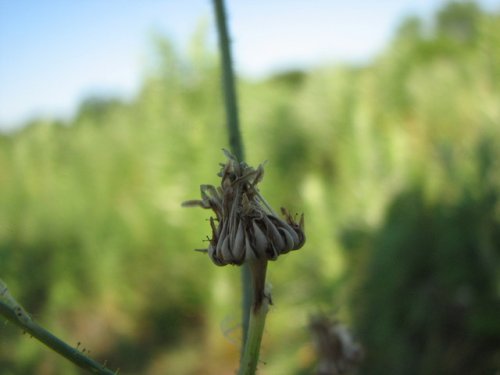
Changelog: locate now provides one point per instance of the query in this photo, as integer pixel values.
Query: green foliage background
(395, 164)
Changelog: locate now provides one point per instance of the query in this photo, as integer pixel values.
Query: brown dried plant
(245, 226)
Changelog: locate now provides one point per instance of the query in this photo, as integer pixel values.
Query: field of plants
(395, 164)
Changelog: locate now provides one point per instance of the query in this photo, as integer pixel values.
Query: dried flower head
(245, 227)
(337, 351)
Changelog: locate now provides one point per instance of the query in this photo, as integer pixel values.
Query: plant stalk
(18, 316)
(260, 307)
(235, 143)
(228, 82)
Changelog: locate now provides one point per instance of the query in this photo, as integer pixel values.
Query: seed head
(245, 227)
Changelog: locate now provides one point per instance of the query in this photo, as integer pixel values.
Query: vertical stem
(252, 347)
(260, 307)
(230, 98)
(235, 143)
(246, 302)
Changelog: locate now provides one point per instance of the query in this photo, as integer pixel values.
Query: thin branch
(16, 314)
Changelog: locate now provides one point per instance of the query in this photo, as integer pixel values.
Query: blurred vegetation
(396, 165)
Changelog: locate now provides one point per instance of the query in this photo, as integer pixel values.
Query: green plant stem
(235, 143)
(228, 81)
(34, 329)
(260, 307)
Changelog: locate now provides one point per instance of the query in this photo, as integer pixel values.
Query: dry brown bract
(245, 227)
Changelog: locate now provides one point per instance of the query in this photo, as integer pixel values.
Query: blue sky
(54, 53)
